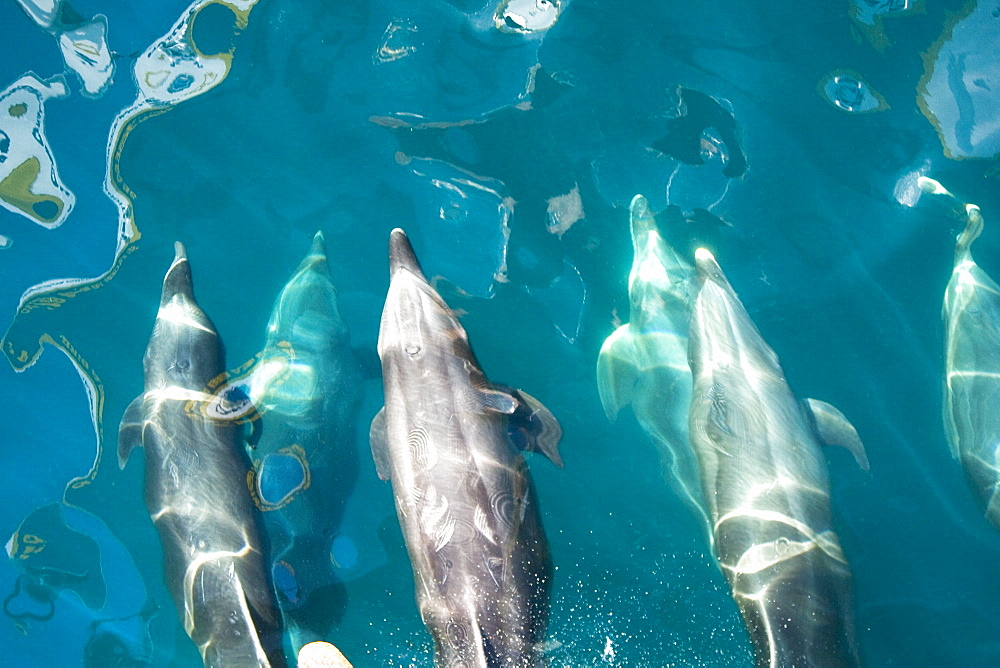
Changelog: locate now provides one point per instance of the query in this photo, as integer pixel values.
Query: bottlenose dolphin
(644, 362)
(449, 440)
(971, 314)
(766, 484)
(215, 560)
(306, 388)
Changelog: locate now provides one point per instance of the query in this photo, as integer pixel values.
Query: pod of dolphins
(245, 471)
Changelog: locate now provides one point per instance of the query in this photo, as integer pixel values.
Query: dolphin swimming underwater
(644, 362)
(307, 389)
(215, 560)
(971, 314)
(766, 484)
(449, 440)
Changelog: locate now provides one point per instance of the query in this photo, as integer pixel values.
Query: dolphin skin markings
(971, 314)
(215, 563)
(449, 440)
(766, 484)
(644, 362)
(307, 388)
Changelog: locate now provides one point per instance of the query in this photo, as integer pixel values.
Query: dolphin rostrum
(215, 561)
(766, 484)
(644, 362)
(449, 440)
(971, 314)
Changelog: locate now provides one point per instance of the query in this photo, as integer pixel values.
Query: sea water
(507, 140)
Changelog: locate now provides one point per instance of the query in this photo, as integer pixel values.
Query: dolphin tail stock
(833, 428)
(533, 427)
(617, 372)
(130, 430)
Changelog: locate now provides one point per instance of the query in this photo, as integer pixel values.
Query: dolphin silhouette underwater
(644, 362)
(306, 388)
(971, 315)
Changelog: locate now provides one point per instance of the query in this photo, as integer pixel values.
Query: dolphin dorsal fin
(130, 430)
(833, 428)
(378, 438)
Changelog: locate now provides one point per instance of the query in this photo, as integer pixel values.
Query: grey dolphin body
(195, 487)
(644, 362)
(466, 504)
(766, 484)
(971, 315)
(307, 387)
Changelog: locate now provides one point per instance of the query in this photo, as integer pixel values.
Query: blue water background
(842, 280)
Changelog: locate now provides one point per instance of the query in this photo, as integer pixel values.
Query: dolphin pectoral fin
(533, 428)
(379, 441)
(130, 431)
(617, 373)
(833, 428)
(497, 401)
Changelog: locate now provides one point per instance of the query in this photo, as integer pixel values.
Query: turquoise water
(510, 159)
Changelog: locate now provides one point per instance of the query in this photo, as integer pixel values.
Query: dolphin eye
(182, 365)
(412, 349)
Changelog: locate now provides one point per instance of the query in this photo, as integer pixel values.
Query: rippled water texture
(508, 140)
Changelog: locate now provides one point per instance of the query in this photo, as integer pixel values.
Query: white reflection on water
(29, 180)
(960, 91)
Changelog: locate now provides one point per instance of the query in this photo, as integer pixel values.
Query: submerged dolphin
(766, 484)
(196, 493)
(645, 361)
(449, 440)
(307, 388)
(971, 314)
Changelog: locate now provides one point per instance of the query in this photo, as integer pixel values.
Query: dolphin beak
(315, 260)
(708, 269)
(318, 245)
(401, 255)
(178, 278)
(643, 221)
